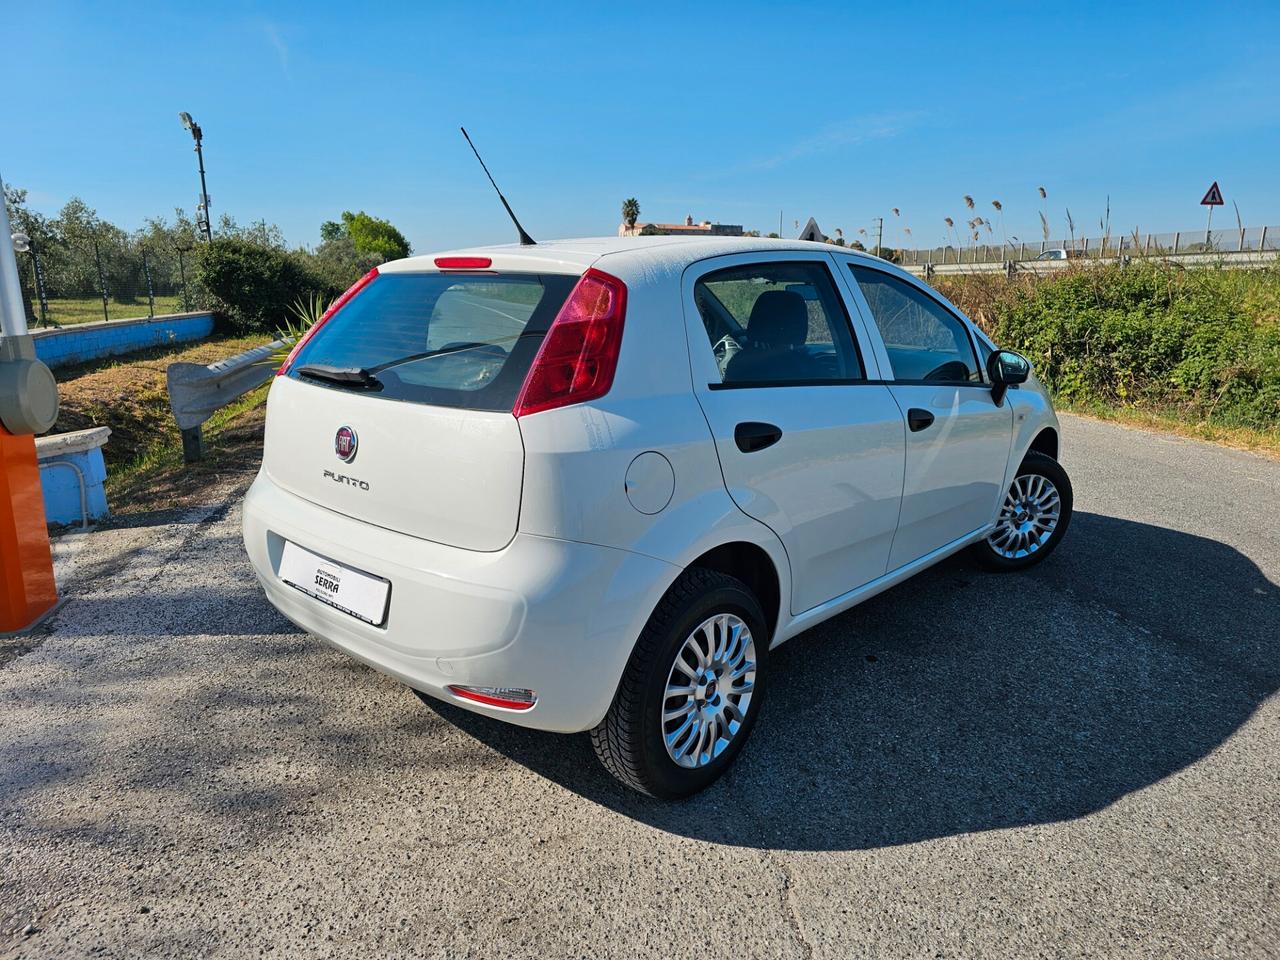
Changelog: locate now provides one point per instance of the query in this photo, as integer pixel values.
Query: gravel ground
(1082, 760)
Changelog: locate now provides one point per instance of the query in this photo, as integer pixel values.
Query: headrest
(779, 319)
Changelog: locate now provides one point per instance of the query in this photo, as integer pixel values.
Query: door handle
(752, 436)
(918, 419)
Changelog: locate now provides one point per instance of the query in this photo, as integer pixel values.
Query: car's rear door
(958, 438)
(808, 442)
(397, 411)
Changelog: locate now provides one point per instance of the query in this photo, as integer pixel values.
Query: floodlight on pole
(198, 135)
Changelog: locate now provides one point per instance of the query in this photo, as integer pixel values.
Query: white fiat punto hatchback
(589, 484)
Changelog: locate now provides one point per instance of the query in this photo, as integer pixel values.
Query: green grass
(89, 309)
(166, 455)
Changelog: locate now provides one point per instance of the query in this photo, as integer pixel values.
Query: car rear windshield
(443, 339)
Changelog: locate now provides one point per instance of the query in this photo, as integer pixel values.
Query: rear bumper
(554, 616)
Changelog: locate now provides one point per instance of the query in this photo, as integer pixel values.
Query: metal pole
(102, 278)
(37, 273)
(13, 317)
(1262, 241)
(204, 191)
(1207, 229)
(151, 296)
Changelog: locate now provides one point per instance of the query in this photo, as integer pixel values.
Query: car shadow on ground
(966, 701)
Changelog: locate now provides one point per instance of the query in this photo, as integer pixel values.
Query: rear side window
(443, 339)
(778, 322)
(925, 341)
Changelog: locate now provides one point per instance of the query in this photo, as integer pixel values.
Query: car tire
(1034, 516)
(697, 616)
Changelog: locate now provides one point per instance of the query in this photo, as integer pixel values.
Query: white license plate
(352, 591)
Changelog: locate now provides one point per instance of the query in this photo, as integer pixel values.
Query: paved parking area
(1083, 760)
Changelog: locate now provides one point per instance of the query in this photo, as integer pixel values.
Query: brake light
(463, 263)
(510, 698)
(334, 307)
(579, 354)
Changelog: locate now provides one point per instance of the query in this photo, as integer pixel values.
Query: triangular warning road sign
(1213, 198)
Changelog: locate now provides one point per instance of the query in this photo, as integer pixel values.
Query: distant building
(687, 229)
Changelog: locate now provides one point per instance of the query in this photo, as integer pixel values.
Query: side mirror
(1005, 369)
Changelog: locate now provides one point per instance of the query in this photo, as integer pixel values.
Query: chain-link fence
(106, 276)
(1232, 240)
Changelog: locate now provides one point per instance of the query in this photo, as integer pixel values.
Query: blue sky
(729, 112)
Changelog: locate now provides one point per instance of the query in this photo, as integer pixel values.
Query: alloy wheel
(708, 690)
(1030, 514)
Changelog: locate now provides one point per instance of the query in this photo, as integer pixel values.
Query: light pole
(197, 135)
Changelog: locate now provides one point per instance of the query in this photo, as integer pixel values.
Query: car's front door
(958, 438)
(807, 444)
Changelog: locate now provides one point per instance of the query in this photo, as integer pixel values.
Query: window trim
(839, 299)
(765, 384)
(964, 322)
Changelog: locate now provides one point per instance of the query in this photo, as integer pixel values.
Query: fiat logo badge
(345, 443)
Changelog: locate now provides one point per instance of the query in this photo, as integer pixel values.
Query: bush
(1205, 340)
(254, 286)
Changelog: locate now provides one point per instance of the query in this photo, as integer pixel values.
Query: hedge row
(1204, 340)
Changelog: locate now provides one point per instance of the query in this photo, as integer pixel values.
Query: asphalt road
(1082, 760)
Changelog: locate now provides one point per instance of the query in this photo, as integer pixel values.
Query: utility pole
(879, 221)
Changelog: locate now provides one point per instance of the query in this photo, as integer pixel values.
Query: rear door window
(776, 323)
(443, 339)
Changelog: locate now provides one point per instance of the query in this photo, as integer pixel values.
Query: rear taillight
(334, 307)
(579, 354)
(509, 698)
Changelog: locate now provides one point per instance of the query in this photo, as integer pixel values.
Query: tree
(331, 230)
(630, 212)
(373, 235)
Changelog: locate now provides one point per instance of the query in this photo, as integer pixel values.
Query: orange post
(27, 588)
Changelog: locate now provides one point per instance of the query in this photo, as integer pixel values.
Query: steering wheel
(950, 371)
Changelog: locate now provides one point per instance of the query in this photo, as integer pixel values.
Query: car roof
(578, 254)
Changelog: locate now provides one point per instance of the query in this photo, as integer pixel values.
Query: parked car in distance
(590, 485)
(1059, 254)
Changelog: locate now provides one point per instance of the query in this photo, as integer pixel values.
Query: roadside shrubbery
(1205, 342)
(255, 285)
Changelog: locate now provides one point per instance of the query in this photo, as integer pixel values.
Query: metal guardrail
(196, 392)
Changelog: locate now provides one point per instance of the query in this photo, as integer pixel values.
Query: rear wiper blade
(355, 377)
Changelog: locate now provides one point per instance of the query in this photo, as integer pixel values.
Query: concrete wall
(91, 341)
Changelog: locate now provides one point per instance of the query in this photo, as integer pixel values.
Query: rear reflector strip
(464, 263)
(509, 698)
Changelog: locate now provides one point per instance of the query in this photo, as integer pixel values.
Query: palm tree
(630, 212)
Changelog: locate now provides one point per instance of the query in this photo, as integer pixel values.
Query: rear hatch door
(397, 410)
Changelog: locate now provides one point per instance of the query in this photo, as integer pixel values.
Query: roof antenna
(525, 239)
